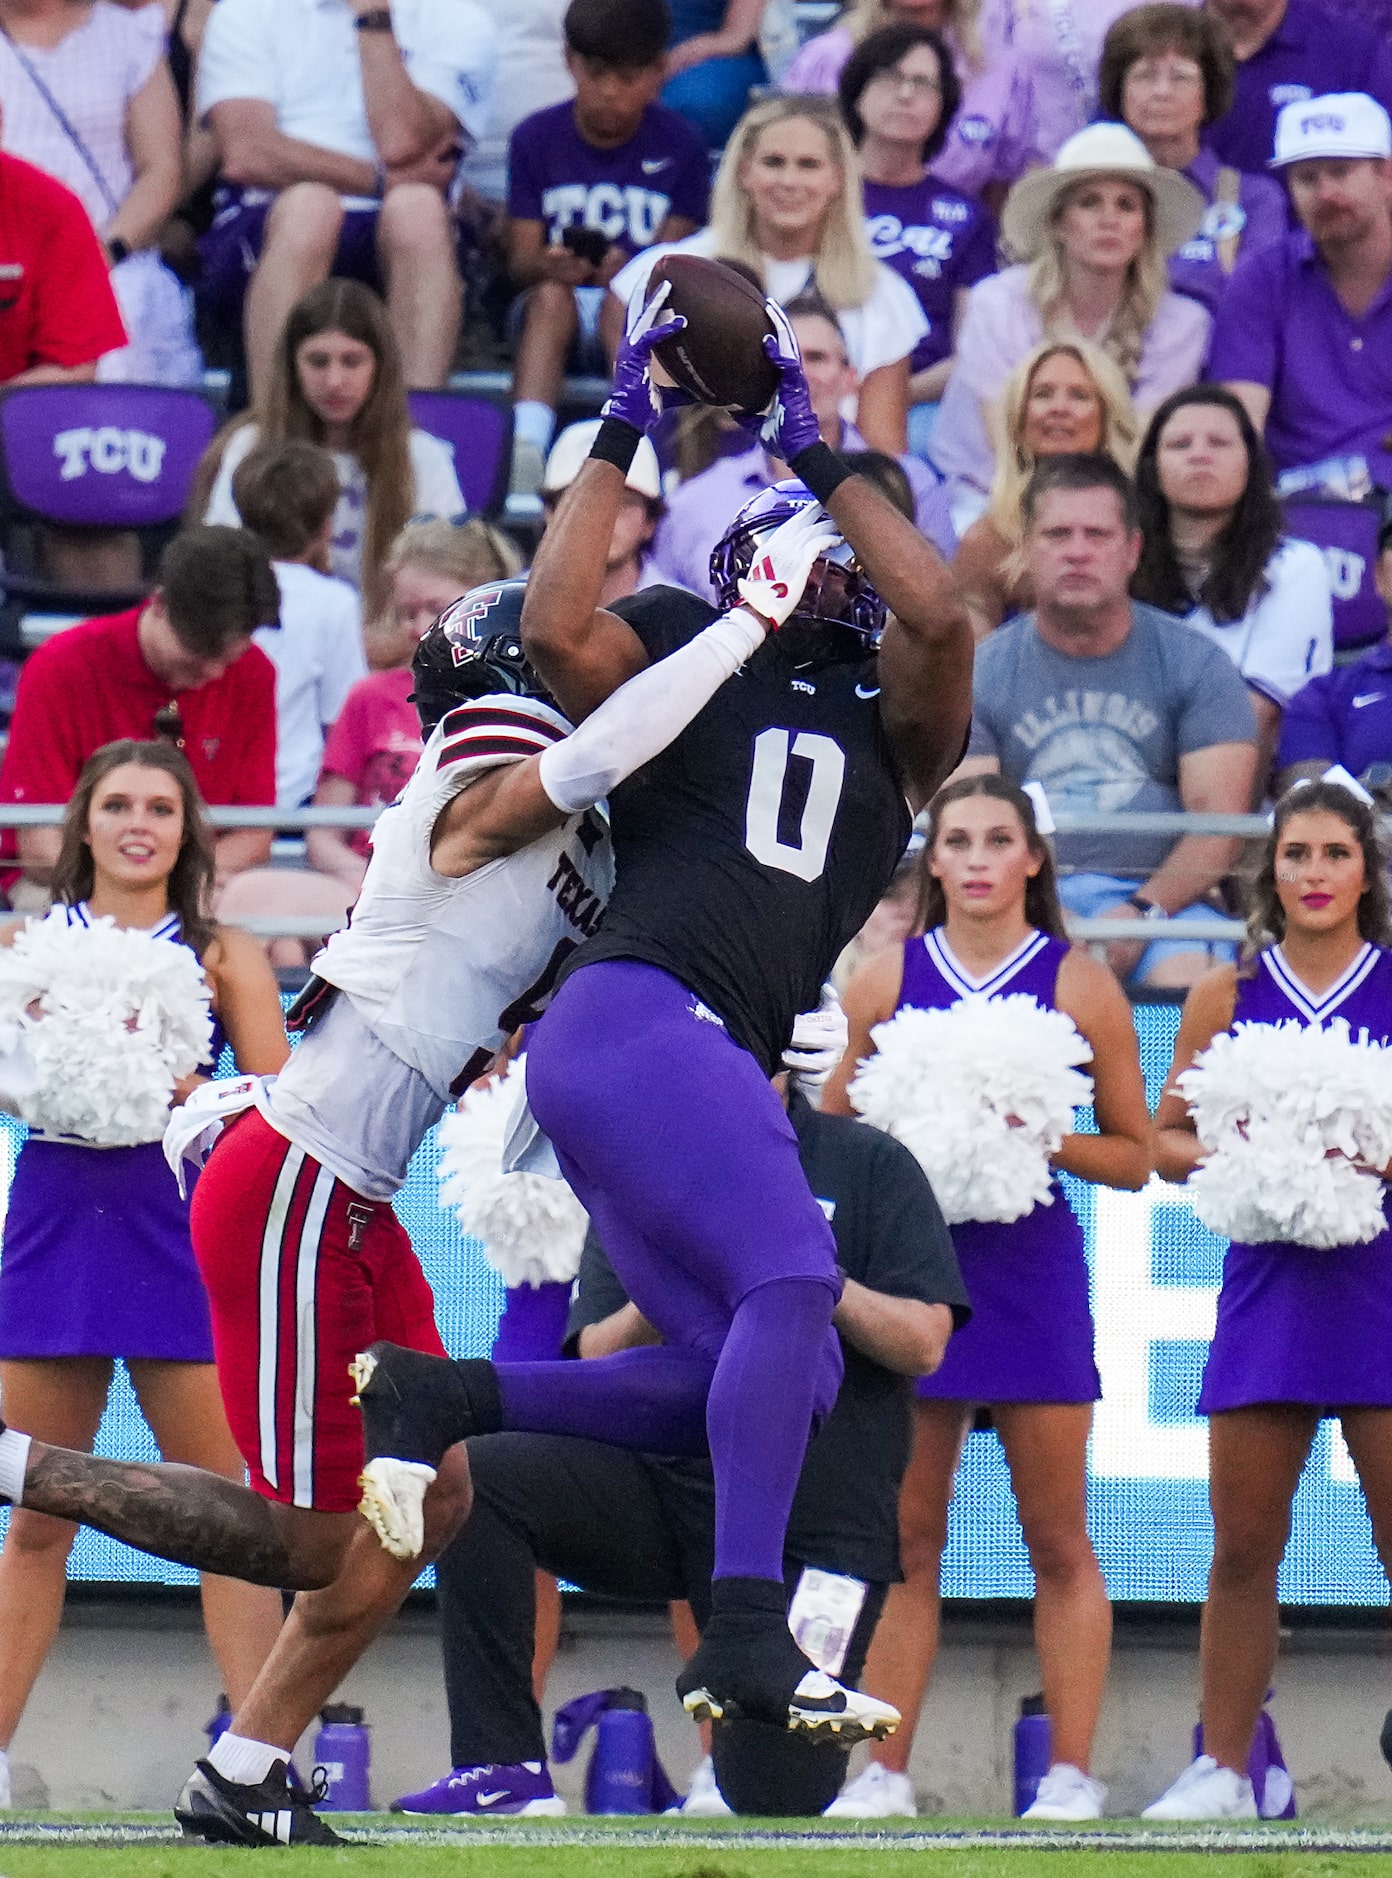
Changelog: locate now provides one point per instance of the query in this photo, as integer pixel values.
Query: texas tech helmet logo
(467, 628)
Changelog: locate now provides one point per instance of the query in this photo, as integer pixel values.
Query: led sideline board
(1155, 1273)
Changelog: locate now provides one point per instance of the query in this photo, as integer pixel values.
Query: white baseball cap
(1341, 124)
(572, 447)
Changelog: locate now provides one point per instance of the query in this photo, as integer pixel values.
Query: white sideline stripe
(307, 1339)
(268, 1347)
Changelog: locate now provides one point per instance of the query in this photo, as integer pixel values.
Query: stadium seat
(1346, 535)
(100, 458)
(477, 427)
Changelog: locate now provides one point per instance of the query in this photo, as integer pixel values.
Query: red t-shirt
(56, 303)
(376, 742)
(90, 685)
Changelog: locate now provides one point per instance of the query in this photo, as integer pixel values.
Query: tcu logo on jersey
(614, 210)
(108, 451)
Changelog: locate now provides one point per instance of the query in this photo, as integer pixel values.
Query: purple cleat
(521, 1790)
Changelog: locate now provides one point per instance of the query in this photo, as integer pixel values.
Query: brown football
(719, 357)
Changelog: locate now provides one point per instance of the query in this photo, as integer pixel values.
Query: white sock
(534, 423)
(14, 1459)
(243, 1761)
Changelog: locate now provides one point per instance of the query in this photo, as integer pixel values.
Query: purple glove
(634, 398)
(787, 425)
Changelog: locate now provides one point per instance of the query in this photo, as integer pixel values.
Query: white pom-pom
(532, 1228)
(1287, 1111)
(112, 1017)
(982, 1093)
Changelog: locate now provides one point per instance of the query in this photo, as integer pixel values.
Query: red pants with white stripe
(302, 1273)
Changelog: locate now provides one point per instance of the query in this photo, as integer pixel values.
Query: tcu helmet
(473, 650)
(839, 617)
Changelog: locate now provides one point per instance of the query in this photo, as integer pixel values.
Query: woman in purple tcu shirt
(1301, 1334)
(990, 926)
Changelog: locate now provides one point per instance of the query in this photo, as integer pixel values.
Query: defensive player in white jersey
(485, 875)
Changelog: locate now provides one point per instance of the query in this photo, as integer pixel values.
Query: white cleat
(1066, 1792)
(1205, 1791)
(393, 1503)
(705, 1800)
(820, 1707)
(875, 1793)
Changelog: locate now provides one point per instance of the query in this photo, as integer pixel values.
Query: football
(719, 357)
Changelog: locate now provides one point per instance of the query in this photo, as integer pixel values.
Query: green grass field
(142, 1847)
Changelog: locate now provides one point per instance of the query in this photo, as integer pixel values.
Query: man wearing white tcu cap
(628, 565)
(1304, 336)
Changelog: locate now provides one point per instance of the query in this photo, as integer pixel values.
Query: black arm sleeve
(908, 1250)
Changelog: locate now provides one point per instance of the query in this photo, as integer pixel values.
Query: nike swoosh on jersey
(1367, 697)
(871, 691)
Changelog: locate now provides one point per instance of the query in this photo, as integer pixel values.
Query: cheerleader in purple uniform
(96, 1262)
(990, 926)
(1301, 1333)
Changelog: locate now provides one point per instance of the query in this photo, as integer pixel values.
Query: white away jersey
(443, 971)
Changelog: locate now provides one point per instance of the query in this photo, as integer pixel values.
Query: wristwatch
(379, 20)
(1146, 908)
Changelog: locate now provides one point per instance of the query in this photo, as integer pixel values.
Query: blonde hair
(470, 552)
(843, 267)
(1121, 428)
(961, 25)
(1147, 282)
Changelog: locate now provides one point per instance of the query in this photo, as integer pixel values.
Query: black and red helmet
(474, 650)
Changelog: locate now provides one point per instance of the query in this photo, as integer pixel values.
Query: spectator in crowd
(58, 314)
(1213, 553)
(1291, 51)
(1345, 716)
(339, 144)
(1304, 335)
(899, 94)
(989, 140)
(97, 1261)
(183, 667)
(786, 203)
(1110, 704)
(1093, 235)
(699, 511)
(530, 75)
(641, 507)
(375, 743)
(638, 1525)
(1065, 399)
(286, 494)
(88, 97)
(713, 63)
(591, 182)
(337, 382)
(1167, 72)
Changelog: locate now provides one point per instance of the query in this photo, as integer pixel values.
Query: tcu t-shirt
(941, 241)
(556, 177)
(1106, 734)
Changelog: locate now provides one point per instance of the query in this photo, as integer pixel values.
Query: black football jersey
(756, 845)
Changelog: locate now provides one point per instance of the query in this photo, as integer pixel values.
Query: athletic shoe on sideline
(875, 1793)
(521, 1789)
(225, 1812)
(1205, 1791)
(705, 1800)
(1066, 1792)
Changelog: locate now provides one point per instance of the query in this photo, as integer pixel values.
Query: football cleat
(820, 1707)
(393, 1503)
(225, 1812)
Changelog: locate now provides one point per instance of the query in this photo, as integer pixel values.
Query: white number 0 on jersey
(768, 782)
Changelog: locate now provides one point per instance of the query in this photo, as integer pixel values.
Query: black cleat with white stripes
(226, 1812)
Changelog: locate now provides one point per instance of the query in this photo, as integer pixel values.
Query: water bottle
(1272, 1787)
(1033, 1751)
(221, 1721)
(343, 1748)
(620, 1775)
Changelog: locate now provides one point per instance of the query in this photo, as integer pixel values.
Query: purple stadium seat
(1346, 535)
(478, 429)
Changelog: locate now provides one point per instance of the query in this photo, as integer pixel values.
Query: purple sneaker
(522, 1789)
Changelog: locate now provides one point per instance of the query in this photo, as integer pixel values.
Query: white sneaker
(875, 1793)
(705, 1800)
(1066, 1792)
(5, 1801)
(1205, 1791)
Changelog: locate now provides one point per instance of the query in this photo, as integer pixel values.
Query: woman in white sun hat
(1092, 235)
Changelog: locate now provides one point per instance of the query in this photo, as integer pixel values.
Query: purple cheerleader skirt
(1030, 1334)
(1297, 1325)
(96, 1259)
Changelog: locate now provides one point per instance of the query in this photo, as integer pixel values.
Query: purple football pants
(681, 1151)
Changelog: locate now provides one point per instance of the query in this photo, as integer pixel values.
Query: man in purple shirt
(590, 182)
(1346, 716)
(1289, 51)
(1304, 335)
(699, 510)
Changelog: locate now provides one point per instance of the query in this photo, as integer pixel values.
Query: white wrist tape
(642, 717)
(14, 1460)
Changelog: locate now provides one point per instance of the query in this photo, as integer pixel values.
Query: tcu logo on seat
(1346, 571)
(108, 451)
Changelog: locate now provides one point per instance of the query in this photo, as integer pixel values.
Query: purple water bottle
(343, 1749)
(220, 1722)
(620, 1775)
(1033, 1751)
